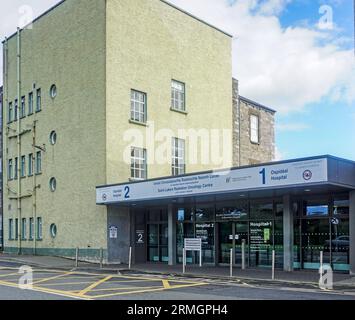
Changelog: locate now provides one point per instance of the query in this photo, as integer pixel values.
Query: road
(50, 284)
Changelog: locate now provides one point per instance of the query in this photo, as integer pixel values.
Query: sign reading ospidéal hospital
(239, 179)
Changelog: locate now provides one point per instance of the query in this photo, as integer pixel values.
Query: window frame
(30, 165)
(31, 229)
(30, 103)
(142, 116)
(24, 229)
(23, 167)
(22, 112)
(11, 229)
(10, 112)
(252, 130)
(175, 100)
(16, 113)
(38, 100)
(16, 164)
(38, 163)
(10, 169)
(39, 227)
(141, 159)
(178, 163)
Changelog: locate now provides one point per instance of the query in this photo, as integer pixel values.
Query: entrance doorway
(231, 236)
(158, 242)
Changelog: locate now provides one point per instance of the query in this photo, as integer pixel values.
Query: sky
(295, 56)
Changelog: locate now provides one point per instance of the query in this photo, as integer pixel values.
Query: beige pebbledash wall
(65, 47)
(149, 43)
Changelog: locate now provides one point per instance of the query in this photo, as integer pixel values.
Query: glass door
(158, 243)
(226, 241)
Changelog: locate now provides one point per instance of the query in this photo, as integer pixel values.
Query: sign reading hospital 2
(243, 179)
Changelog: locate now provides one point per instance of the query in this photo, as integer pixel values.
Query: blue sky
(282, 59)
(329, 127)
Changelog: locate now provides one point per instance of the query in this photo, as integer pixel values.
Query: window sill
(136, 180)
(39, 173)
(144, 124)
(179, 111)
(255, 143)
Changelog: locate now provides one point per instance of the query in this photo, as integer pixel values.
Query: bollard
(76, 257)
(201, 258)
(273, 264)
(183, 260)
(101, 257)
(130, 258)
(321, 262)
(243, 254)
(231, 263)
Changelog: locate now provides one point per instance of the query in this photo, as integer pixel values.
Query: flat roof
(303, 173)
(164, 1)
(257, 104)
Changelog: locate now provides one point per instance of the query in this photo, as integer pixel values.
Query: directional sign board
(193, 244)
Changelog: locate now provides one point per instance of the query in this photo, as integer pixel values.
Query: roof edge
(257, 104)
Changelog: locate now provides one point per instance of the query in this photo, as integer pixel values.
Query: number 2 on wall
(126, 194)
(263, 174)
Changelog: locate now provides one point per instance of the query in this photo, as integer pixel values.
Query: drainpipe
(19, 102)
(34, 195)
(4, 163)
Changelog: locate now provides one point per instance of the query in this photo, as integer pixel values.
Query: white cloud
(279, 155)
(285, 69)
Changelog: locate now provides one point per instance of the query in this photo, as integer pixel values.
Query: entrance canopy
(307, 175)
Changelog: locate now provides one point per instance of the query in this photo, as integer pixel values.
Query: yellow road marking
(52, 278)
(9, 274)
(147, 290)
(117, 289)
(94, 285)
(166, 284)
(86, 282)
(44, 290)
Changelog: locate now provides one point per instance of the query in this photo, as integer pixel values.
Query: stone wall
(246, 152)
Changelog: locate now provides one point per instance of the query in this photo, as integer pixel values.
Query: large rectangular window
(31, 229)
(39, 228)
(178, 96)
(138, 106)
(254, 128)
(38, 101)
(30, 103)
(38, 162)
(178, 156)
(24, 229)
(138, 163)
(9, 170)
(23, 166)
(11, 229)
(23, 107)
(30, 164)
(16, 168)
(16, 229)
(16, 110)
(10, 112)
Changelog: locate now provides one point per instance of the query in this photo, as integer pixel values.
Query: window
(138, 163)
(53, 91)
(53, 138)
(38, 162)
(9, 171)
(23, 166)
(10, 112)
(31, 229)
(53, 184)
(24, 229)
(11, 229)
(254, 128)
(138, 106)
(23, 107)
(16, 110)
(16, 168)
(178, 156)
(38, 102)
(53, 230)
(16, 229)
(30, 103)
(178, 95)
(30, 164)
(39, 228)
